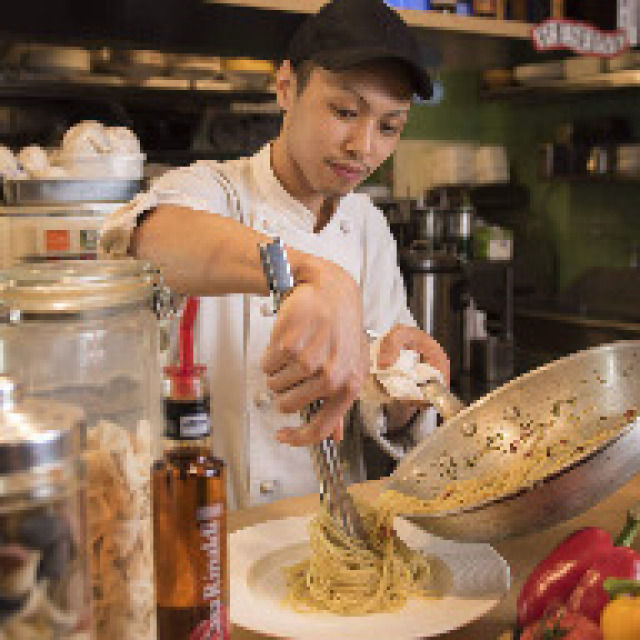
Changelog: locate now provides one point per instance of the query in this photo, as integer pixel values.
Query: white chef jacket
(233, 331)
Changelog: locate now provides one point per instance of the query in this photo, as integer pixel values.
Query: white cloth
(233, 331)
(403, 378)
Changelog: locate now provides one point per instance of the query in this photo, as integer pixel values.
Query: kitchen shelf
(420, 19)
(620, 74)
(590, 85)
(595, 178)
(250, 28)
(450, 41)
(163, 92)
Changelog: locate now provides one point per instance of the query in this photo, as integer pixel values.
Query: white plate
(477, 578)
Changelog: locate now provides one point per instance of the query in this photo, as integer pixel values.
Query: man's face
(342, 125)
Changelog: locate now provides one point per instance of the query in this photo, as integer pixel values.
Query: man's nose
(361, 139)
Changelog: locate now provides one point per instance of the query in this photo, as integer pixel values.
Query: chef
(345, 90)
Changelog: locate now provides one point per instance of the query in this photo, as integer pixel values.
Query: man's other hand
(405, 337)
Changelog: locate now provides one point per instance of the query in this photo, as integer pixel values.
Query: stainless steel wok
(582, 392)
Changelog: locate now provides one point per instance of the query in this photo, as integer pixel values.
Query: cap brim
(340, 60)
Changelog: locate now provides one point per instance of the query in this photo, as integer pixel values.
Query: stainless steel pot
(429, 226)
(459, 229)
(580, 391)
(438, 292)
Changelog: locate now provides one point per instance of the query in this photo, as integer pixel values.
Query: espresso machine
(465, 304)
(438, 292)
(433, 265)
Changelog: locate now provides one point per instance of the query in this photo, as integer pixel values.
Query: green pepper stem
(629, 531)
(618, 586)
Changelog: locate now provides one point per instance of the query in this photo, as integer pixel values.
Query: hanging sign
(581, 37)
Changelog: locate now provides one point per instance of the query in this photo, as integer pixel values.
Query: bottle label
(195, 426)
(209, 521)
(187, 420)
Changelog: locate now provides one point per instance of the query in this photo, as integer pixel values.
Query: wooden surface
(521, 553)
(415, 18)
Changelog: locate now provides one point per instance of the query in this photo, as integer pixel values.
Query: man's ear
(286, 86)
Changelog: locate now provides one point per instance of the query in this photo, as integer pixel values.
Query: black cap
(345, 33)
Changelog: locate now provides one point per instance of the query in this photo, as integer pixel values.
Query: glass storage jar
(85, 333)
(44, 580)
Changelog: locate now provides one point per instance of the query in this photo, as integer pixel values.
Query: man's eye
(389, 129)
(343, 113)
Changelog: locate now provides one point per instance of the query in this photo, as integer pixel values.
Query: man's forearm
(201, 253)
(315, 351)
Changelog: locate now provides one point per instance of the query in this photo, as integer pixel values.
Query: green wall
(570, 226)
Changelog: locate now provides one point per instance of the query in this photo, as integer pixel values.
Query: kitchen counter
(521, 553)
(542, 335)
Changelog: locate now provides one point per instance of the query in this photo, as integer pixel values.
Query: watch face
(276, 268)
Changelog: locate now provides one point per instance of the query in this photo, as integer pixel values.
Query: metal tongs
(324, 455)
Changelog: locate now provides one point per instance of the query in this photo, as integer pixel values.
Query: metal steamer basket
(30, 192)
(52, 220)
(569, 399)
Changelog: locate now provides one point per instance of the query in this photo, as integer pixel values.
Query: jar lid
(38, 438)
(75, 286)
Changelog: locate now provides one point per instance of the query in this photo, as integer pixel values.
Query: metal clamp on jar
(44, 590)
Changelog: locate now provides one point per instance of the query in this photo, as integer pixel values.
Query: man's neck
(294, 183)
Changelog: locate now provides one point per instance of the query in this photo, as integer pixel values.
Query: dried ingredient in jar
(51, 535)
(27, 608)
(120, 531)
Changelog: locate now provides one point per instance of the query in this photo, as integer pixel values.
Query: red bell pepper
(554, 579)
(589, 597)
(562, 625)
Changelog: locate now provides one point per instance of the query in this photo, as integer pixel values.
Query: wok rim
(550, 477)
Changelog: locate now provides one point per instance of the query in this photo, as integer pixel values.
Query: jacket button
(345, 226)
(266, 309)
(268, 226)
(267, 487)
(262, 399)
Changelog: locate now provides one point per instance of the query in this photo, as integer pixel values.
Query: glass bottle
(518, 10)
(557, 8)
(189, 516)
(490, 8)
(443, 6)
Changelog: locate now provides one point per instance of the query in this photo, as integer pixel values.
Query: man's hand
(404, 337)
(317, 350)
